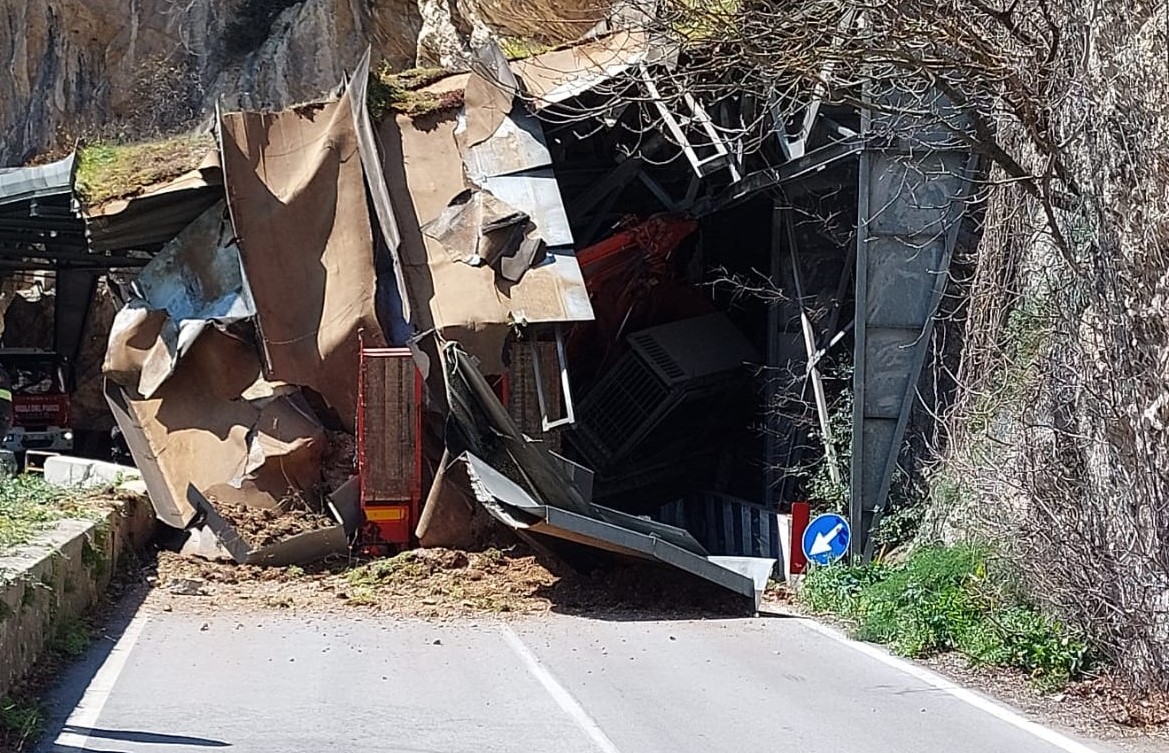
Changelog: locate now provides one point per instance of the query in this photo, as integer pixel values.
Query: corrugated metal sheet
(563, 74)
(726, 524)
(537, 193)
(24, 183)
(514, 165)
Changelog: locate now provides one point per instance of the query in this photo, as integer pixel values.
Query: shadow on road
(65, 690)
(153, 738)
(640, 591)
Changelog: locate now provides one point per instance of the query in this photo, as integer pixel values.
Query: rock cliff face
(130, 68)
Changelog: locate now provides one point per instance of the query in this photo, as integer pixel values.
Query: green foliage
(71, 639)
(28, 505)
(406, 565)
(943, 599)
(21, 722)
(906, 507)
(835, 589)
(825, 494)
(402, 91)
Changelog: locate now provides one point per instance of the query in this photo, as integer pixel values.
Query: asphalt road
(293, 684)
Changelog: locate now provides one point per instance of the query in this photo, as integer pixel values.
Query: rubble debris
(264, 526)
(186, 587)
(418, 219)
(509, 504)
(540, 496)
(435, 583)
(255, 532)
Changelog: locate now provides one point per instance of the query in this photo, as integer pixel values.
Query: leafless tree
(1059, 440)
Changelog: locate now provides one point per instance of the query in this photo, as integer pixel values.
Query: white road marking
(86, 713)
(933, 679)
(559, 693)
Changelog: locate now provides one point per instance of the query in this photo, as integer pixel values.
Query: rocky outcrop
(132, 68)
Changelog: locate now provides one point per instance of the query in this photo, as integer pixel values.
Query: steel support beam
(915, 179)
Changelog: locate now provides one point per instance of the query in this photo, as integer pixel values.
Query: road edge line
(969, 697)
(559, 693)
(87, 711)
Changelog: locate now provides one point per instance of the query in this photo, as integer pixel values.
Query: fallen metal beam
(509, 503)
(774, 177)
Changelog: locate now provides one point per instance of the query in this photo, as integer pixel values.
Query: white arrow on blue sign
(826, 539)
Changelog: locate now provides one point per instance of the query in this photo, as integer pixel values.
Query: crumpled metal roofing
(509, 503)
(24, 183)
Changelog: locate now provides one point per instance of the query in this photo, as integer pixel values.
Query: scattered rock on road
(445, 583)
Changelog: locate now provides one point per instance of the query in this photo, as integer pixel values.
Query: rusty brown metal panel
(387, 441)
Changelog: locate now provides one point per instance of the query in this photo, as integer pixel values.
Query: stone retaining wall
(46, 585)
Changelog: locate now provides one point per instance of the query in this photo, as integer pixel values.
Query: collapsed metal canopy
(508, 503)
(41, 226)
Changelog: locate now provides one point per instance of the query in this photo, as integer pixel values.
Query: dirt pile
(447, 583)
(418, 583)
(262, 526)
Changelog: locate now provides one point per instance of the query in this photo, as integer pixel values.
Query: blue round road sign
(826, 539)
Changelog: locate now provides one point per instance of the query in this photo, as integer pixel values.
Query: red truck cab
(40, 401)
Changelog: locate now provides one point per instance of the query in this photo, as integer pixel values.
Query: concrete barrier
(46, 585)
(63, 470)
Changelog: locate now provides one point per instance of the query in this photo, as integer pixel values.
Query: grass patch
(942, 599)
(28, 506)
(107, 171)
(22, 720)
(401, 91)
(70, 640)
(372, 574)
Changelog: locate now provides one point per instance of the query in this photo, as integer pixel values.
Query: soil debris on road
(445, 583)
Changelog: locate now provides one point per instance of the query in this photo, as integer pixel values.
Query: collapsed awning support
(509, 503)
